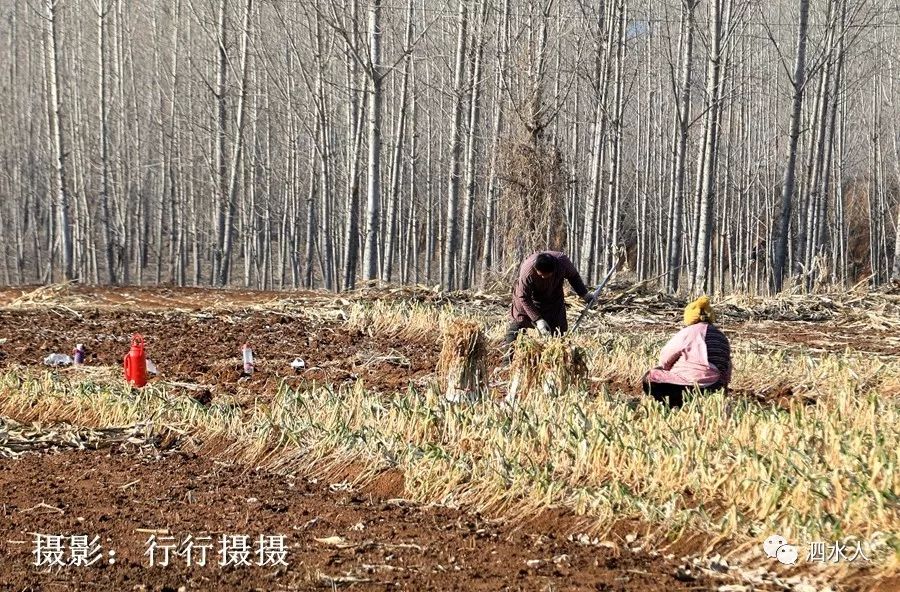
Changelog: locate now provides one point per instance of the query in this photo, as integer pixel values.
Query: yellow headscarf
(699, 310)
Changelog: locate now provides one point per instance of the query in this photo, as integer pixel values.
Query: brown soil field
(204, 349)
(123, 494)
(194, 338)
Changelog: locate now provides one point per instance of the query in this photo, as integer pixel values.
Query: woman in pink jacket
(697, 356)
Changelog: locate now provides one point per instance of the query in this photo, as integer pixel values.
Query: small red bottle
(135, 362)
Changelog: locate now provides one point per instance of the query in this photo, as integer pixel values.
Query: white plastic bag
(58, 360)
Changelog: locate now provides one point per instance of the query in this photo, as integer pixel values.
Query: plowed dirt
(194, 336)
(366, 542)
(204, 348)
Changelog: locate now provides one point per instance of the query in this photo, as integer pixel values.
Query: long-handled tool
(594, 296)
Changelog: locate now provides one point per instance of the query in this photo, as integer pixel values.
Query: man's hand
(543, 327)
(586, 298)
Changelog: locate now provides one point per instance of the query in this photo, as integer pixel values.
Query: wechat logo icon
(777, 547)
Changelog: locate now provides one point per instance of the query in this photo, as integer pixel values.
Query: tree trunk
(603, 67)
(451, 235)
(491, 190)
(788, 185)
(683, 116)
(396, 172)
(467, 266)
(224, 272)
(105, 222)
(221, 170)
(64, 226)
(373, 203)
(326, 186)
(611, 234)
(706, 215)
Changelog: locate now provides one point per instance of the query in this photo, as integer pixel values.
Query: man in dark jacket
(537, 300)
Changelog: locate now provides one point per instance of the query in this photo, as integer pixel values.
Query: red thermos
(135, 362)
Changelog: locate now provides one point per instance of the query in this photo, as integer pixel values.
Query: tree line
(719, 145)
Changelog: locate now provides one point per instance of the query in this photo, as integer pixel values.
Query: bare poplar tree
(602, 69)
(488, 245)
(451, 234)
(181, 141)
(64, 226)
(798, 82)
(373, 202)
(224, 271)
(467, 265)
(682, 122)
(396, 173)
(709, 160)
(221, 165)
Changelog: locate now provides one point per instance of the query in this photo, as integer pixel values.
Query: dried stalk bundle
(563, 366)
(525, 369)
(462, 363)
(553, 363)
